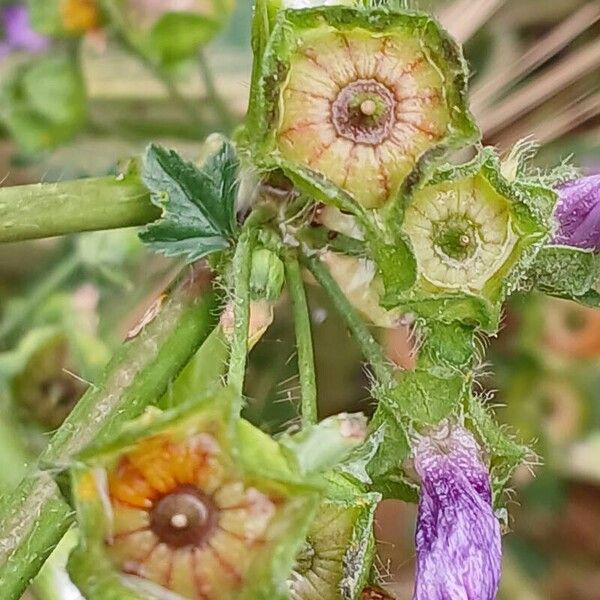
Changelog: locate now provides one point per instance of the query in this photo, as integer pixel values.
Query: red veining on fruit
(183, 518)
(361, 109)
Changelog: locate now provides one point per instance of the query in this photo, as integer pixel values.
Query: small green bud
(266, 279)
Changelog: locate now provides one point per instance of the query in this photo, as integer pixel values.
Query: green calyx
(357, 96)
(565, 272)
(267, 275)
(473, 235)
(194, 502)
(336, 559)
(194, 495)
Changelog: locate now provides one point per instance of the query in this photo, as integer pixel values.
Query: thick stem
(34, 517)
(371, 350)
(304, 344)
(42, 210)
(14, 458)
(242, 266)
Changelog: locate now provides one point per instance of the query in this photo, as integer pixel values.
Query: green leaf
(178, 35)
(324, 445)
(506, 453)
(448, 345)
(43, 102)
(426, 399)
(397, 265)
(565, 272)
(45, 17)
(198, 203)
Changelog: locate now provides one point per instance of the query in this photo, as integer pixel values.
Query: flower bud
(578, 213)
(267, 275)
(458, 536)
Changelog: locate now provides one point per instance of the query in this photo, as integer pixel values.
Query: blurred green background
(65, 304)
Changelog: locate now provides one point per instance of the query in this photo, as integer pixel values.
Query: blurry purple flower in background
(578, 213)
(458, 536)
(18, 34)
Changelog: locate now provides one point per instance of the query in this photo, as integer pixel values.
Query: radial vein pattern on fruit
(361, 109)
(182, 519)
(461, 233)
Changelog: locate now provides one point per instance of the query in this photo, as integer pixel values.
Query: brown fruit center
(364, 111)
(184, 517)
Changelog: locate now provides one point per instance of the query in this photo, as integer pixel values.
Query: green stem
(191, 107)
(371, 350)
(13, 453)
(213, 95)
(304, 344)
(14, 459)
(242, 266)
(53, 280)
(35, 517)
(42, 210)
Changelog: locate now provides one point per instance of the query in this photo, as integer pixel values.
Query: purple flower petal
(578, 213)
(18, 32)
(458, 536)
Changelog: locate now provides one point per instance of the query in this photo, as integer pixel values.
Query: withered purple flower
(458, 536)
(578, 213)
(18, 34)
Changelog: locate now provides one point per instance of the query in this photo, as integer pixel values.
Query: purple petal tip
(458, 536)
(578, 213)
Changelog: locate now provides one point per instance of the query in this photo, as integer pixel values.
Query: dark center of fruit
(457, 238)
(364, 112)
(184, 517)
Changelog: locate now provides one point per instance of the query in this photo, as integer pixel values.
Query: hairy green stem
(43, 210)
(242, 266)
(371, 350)
(50, 282)
(34, 518)
(304, 344)
(14, 459)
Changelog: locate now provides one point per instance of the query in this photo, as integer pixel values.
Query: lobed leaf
(198, 203)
